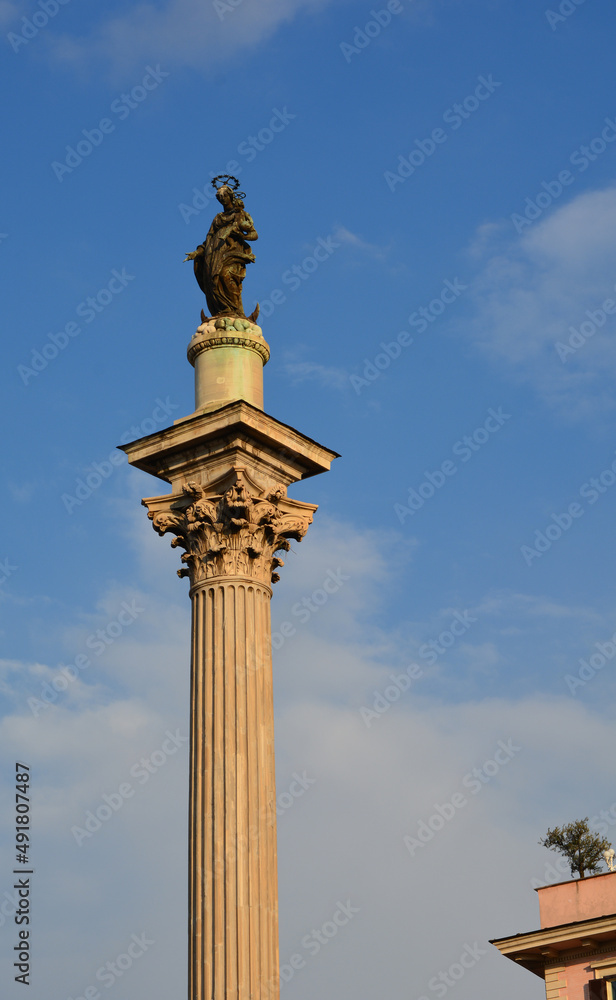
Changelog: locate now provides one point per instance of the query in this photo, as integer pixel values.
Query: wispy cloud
(309, 371)
(180, 32)
(344, 235)
(534, 291)
(523, 606)
(9, 12)
(83, 750)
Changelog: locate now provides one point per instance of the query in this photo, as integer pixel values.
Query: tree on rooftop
(582, 849)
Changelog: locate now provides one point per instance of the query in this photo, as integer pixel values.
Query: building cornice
(539, 949)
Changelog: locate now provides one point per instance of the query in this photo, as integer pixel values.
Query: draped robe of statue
(220, 262)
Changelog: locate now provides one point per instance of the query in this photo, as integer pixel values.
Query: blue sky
(455, 346)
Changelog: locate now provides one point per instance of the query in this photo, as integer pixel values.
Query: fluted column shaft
(231, 538)
(233, 889)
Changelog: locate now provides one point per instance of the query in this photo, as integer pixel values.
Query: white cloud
(341, 840)
(532, 606)
(328, 376)
(471, 882)
(352, 239)
(180, 33)
(9, 12)
(22, 492)
(532, 290)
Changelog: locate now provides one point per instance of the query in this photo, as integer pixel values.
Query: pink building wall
(577, 974)
(582, 899)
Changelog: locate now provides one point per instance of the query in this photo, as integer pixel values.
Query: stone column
(233, 905)
(230, 541)
(229, 465)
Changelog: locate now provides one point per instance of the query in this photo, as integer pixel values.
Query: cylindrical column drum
(233, 906)
(228, 356)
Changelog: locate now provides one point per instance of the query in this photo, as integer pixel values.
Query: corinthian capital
(233, 533)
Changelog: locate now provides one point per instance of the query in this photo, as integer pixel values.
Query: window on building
(602, 989)
(598, 989)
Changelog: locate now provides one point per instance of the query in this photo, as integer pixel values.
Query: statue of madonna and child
(220, 262)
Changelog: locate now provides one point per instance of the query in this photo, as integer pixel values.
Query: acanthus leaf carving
(234, 533)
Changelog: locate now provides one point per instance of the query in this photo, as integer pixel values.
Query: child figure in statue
(220, 262)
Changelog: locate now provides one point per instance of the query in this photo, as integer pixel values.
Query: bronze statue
(220, 262)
